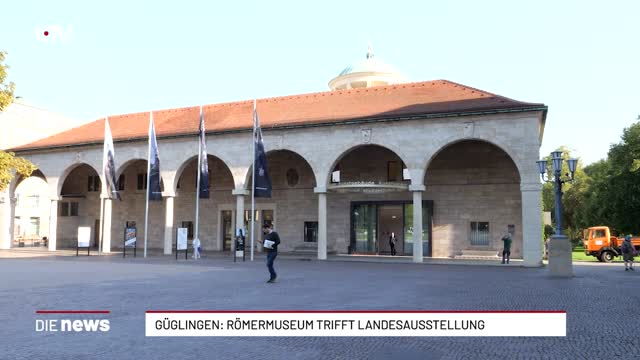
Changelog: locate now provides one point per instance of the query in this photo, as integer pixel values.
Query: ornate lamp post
(559, 248)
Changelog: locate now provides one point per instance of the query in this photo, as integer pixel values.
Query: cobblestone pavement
(602, 304)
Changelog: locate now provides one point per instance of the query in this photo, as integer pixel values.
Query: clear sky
(581, 58)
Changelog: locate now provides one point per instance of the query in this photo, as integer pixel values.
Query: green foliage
(10, 163)
(606, 192)
(6, 90)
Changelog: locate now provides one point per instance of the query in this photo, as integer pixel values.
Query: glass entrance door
(390, 226)
(364, 229)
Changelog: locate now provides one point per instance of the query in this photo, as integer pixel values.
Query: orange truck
(599, 242)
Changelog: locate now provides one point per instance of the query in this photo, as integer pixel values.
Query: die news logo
(76, 325)
(53, 33)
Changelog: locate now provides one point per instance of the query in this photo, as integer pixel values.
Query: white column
(7, 211)
(531, 224)
(417, 222)
(53, 224)
(322, 222)
(168, 224)
(240, 194)
(106, 226)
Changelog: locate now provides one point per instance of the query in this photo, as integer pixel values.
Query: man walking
(506, 249)
(271, 242)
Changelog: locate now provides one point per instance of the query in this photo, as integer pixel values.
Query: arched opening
(369, 196)
(217, 219)
(475, 186)
(32, 211)
(293, 206)
(79, 205)
(129, 213)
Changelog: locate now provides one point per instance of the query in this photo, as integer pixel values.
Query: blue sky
(581, 58)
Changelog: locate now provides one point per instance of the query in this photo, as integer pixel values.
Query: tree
(624, 171)
(9, 163)
(6, 90)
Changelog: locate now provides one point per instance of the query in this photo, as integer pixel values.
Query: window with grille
(479, 234)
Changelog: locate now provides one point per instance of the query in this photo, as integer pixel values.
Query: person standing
(196, 248)
(392, 243)
(506, 248)
(270, 244)
(628, 252)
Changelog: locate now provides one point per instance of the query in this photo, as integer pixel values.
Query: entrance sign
(84, 236)
(182, 239)
(84, 233)
(130, 240)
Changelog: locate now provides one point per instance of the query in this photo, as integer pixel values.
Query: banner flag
(262, 181)
(154, 191)
(204, 163)
(108, 164)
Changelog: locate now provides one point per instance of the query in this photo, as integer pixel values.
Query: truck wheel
(607, 256)
(599, 257)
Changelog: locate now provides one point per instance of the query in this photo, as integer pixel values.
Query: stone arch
(247, 177)
(65, 174)
(447, 143)
(180, 171)
(349, 149)
(129, 162)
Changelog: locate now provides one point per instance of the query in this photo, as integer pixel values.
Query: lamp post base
(560, 261)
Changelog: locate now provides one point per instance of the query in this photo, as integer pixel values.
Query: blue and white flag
(262, 181)
(154, 191)
(108, 164)
(204, 163)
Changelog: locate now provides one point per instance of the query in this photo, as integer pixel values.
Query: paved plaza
(602, 304)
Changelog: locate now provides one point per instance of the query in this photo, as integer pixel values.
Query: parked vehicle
(599, 242)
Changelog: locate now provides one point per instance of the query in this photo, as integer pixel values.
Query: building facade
(444, 167)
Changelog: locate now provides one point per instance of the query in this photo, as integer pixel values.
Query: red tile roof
(430, 97)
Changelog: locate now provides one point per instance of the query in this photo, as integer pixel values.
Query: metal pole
(253, 177)
(198, 182)
(558, 188)
(101, 225)
(146, 211)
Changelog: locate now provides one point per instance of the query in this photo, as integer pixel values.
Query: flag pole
(198, 182)
(101, 222)
(104, 183)
(146, 208)
(253, 180)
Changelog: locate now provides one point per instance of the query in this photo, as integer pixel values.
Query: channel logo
(53, 34)
(75, 321)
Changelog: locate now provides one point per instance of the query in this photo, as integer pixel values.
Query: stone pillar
(417, 222)
(7, 214)
(240, 194)
(322, 222)
(53, 224)
(168, 224)
(531, 224)
(106, 226)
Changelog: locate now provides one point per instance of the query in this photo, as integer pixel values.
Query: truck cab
(599, 242)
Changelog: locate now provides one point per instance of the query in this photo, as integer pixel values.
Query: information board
(130, 237)
(182, 239)
(84, 236)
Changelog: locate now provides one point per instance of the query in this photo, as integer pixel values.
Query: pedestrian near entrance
(628, 252)
(392, 243)
(270, 244)
(506, 247)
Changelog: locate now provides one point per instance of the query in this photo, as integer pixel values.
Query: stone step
(479, 253)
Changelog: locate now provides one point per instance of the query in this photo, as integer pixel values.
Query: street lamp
(560, 262)
(558, 180)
